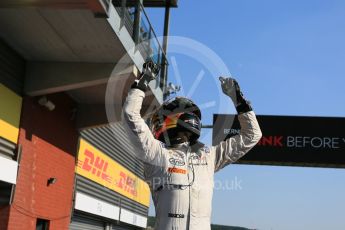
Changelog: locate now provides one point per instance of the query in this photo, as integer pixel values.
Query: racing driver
(178, 168)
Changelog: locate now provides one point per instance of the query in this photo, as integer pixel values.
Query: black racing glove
(231, 88)
(149, 73)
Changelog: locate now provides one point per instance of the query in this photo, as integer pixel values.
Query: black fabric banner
(290, 140)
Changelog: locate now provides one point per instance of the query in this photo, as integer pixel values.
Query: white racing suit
(181, 178)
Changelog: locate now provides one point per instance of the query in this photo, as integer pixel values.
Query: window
(42, 224)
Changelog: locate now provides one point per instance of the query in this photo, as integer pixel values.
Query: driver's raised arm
(148, 148)
(234, 148)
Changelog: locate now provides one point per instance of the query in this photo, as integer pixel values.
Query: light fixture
(51, 180)
(43, 101)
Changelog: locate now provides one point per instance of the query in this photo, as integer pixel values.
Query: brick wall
(49, 143)
(4, 211)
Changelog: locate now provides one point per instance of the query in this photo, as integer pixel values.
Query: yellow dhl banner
(98, 167)
(10, 109)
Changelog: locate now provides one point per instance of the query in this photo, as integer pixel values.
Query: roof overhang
(69, 50)
(96, 6)
(153, 3)
(96, 87)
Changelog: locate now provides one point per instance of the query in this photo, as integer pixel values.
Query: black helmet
(175, 116)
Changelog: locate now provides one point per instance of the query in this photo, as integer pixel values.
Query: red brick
(49, 144)
(4, 212)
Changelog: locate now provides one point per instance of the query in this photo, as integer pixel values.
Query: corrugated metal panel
(83, 222)
(12, 68)
(117, 227)
(7, 148)
(90, 188)
(113, 141)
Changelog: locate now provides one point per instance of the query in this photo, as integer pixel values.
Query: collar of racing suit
(180, 146)
(194, 147)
